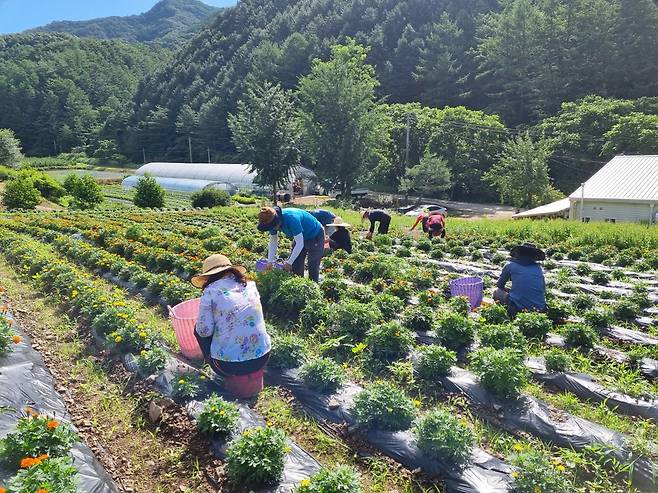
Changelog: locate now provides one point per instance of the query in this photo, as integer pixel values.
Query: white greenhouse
(185, 177)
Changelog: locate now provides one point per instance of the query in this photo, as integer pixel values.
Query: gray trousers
(315, 250)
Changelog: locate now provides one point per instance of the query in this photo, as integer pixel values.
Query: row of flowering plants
(38, 453)
(8, 338)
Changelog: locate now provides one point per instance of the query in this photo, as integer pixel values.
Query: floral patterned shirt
(232, 314)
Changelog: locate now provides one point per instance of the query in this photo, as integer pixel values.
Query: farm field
(377, 367)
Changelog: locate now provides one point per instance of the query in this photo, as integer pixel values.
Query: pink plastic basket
(246, 386)
(183, 317)
(471, 287)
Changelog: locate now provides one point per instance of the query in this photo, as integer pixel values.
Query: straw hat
(215, 264)
(339, 223)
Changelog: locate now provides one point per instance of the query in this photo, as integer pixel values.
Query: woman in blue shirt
(305, 231)
(528, 292)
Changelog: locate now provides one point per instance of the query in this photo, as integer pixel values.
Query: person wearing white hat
(230, 328)
(336, 229)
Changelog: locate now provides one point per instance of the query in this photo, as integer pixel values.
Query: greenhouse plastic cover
(238, 174)
(25, 381)
(179, 184)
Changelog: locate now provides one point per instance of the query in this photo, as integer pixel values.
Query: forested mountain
(168, 22)
(58, 91)
(518, 58)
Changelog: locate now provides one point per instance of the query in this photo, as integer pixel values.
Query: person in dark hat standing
(306, 232)
(528, 291)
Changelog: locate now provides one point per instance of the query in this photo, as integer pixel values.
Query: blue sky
(18, 15)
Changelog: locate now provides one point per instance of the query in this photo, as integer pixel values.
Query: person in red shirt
(433, 222)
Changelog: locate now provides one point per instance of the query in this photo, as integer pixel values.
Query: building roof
(545, 210)
(629, 178)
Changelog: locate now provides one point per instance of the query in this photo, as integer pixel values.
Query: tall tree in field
(521, 174)
(10, 148)
(431, 177)
(266, 133)
(341, 123)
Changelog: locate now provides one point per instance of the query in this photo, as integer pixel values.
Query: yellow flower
(518, 447)
(144, 352)
(74, 293)
(181, 381)
(222, 413)
(561, 468)
(118, 339)
(287, 450)
(305, 482)
(268, 423)
(515, 474)
(142, 335)
(397, 334)
(537, 489)
(417, 403)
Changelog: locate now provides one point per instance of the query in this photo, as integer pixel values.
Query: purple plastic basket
(471, 287)
(261, 265)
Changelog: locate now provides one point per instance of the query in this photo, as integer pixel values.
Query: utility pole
(189, 143)
(208, 155)
(406, 149)
(144, 154)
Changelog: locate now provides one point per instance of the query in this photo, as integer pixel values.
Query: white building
(188, 177)
(624, 190)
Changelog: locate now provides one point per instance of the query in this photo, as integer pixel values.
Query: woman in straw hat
(528, 292)
(230, 328)
(336, 229)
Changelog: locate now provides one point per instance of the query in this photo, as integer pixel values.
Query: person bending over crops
(528, 292)
(377, 216)
(433, 222)
(336, 229)
(307, 234)
(230, 329)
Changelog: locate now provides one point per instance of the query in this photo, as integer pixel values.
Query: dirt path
(110, 408)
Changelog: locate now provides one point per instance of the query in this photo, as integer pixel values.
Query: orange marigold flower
(27, 462)
(52, 424)
(10, 322)
(3, 490)
(42, 490)
(16, 339)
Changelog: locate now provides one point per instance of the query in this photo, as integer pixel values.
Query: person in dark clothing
(336, 228)
(377, 216)
(528, 291)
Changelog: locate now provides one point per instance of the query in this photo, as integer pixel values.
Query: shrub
(36, 435)
(401, 289)
(502, 336)
(314, 315)
(288, 351)
(50, 475)
(640, 296)
(185, 386)
(557, 310)
(434, 362)
(500, 370)
(86, 191)
(388, 342)
(268, 284)
(360, 293)
(440, 435)
(437, 252)
(218, 417)
(535, 473)
(354, 319)
(494, 314)
(424, 245)
(626, 309)
(293, 294)
(389, 306)
(533, 325)
(152, 360)
(580, 335)
(323, 375)
(333, 289)
(460, 304)
(600, 277)
(257, 457)
(210, 197)
(418, 318)
(583, 269)
(455, 331)
(7, 336)
(383, 406)
(148, 193)
(341, 479)
(599, 319)
(20, 193)
(557, 360)
(583, 301)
